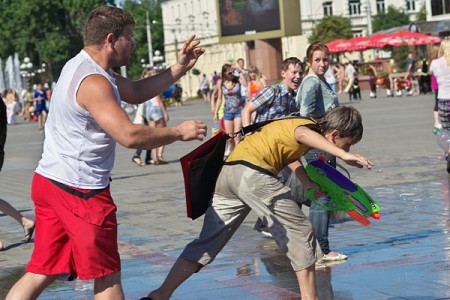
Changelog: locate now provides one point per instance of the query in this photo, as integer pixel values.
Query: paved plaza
(404, 255)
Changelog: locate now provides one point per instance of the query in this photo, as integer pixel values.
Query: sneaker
(321, 265)
(337, 257)
(261, 228)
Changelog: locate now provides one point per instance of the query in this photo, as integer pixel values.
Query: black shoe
(262, 228)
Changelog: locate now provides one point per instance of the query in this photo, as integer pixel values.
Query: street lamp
(26, 70)
(158, 59)
(144, 64)
(156, 62)
(42, 69)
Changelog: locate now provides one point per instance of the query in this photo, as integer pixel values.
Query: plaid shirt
(274, 101)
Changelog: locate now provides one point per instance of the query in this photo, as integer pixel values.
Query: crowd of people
(263, 171)
(32, 105)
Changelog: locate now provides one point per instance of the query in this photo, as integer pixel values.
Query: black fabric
(77, 193)
(3, 124)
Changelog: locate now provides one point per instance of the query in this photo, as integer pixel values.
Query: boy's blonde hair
(346, 119)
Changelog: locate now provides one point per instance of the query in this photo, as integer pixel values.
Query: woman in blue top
(230, 87)
(314, 98)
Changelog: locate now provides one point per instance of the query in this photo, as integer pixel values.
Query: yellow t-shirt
(273, 146)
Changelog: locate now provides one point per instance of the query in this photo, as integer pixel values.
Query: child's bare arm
(317, 141)
(298, 169)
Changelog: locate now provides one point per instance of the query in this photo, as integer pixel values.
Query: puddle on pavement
(407, 247)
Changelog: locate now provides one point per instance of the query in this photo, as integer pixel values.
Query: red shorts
(76, 231)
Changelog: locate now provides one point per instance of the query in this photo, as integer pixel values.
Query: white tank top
(77, 151)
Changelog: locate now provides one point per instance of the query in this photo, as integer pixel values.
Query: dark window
(410, 5)
(380, 6)
(354, 7)
(440, 7)
(328, 8)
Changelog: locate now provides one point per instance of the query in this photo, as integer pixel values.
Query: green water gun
(344, 194)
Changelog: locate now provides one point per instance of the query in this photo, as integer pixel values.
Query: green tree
(330, 29)
(51, 31)
(389, 19)
(47, 31)
(138, 11)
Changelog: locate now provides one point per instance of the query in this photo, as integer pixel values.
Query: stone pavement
(405, 255)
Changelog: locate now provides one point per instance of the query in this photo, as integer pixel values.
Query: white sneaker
(337, 257)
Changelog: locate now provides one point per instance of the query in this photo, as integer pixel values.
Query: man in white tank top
(76, 227)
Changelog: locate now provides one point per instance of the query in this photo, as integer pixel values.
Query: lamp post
(369, 25)
(158, 59)
(26, 70)
(149, 40)
(144, 64)
(156, 62)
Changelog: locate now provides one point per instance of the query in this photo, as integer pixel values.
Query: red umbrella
(402, 37)
(337, 46)
(379, 40)
(359, 43)
(416, 38)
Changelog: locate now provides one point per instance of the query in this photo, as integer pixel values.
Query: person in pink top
(440, 67)
(435, 88)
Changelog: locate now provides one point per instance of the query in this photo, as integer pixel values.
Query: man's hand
(192, 130)
(189, 53)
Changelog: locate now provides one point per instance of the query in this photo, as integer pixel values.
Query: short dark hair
(104, 20)
(290, 61)
(346, 119)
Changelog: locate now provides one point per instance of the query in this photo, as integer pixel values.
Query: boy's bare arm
(298, 169)
(317, 141)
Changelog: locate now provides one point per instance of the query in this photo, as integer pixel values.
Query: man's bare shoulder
(94, 87)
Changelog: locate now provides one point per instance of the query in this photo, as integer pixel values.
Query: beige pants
(240, 189)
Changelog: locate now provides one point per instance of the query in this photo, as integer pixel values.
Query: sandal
(137, 160)
(162, 161)
(150, 162)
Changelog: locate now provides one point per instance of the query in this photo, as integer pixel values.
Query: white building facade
(181, 18)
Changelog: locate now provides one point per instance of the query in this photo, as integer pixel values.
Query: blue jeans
(148, 155)
(319, 217)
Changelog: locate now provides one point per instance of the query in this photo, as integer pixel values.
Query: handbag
(201, 167)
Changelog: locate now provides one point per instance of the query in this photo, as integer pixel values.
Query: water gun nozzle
(376, 215)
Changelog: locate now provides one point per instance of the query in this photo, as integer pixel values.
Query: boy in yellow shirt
(248, 182)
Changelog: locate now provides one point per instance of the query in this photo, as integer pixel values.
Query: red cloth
(73, 235)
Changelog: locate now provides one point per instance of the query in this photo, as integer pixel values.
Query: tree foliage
(51, 31)
(393, 17)
(330, 29)
(138, 11)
